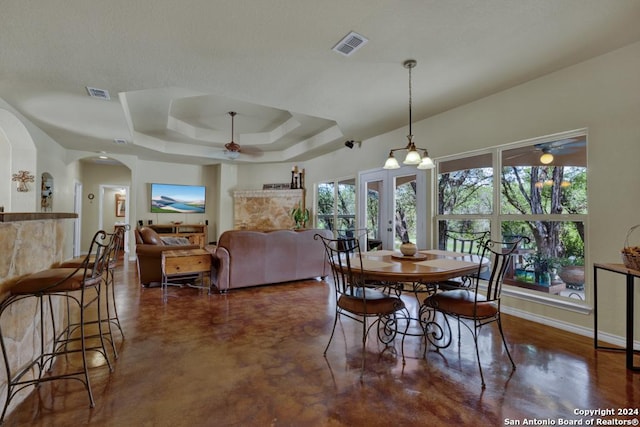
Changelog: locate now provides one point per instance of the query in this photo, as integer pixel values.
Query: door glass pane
(405, 210)
(346, 205)
(325, 205)
(373, 211)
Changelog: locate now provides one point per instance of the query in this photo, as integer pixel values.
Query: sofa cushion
(175, 241)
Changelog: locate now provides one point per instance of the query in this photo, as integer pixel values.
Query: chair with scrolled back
(354, 298)
(467, 242)
(470, 303)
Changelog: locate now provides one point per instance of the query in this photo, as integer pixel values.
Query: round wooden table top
(427, 266)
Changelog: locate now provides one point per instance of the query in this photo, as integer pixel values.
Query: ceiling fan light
(391, 163)
(546, 158)
(231, 154)
(426, 163)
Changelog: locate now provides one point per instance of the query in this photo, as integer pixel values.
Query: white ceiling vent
(98, 93)
(350, 43)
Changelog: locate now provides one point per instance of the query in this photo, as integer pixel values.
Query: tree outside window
(547, 203)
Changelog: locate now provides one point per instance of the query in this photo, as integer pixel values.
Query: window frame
(496, 218)
(336, 217)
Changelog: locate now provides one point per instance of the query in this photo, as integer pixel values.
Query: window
(465, 197)
(337, 205)
(540, 190)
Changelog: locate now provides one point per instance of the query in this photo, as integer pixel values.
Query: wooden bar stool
(80, 285)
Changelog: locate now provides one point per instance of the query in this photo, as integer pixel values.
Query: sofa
(244, 258)
(149, 248)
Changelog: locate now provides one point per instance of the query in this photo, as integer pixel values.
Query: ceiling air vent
(98, 93)
(350, 43)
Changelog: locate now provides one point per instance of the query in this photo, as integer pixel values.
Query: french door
(392, 205)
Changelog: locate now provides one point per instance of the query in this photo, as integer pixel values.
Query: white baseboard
(615, 340)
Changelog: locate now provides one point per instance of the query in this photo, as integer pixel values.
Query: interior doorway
(113, 209)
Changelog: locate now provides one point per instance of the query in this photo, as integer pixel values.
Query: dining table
(420, 274)
(425, 266)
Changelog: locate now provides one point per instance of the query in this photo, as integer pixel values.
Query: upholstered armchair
(149, 248)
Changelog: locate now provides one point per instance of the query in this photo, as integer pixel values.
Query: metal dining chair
(481, 308)
(354, 298)
(471, 243)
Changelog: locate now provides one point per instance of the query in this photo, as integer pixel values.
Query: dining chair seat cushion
(53, 280)
(377, 303)
(78, 262)
(462, 302)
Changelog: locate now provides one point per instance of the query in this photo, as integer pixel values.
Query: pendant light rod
(232, 150)
(409, 64)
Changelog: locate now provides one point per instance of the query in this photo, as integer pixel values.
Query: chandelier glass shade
(415, 155)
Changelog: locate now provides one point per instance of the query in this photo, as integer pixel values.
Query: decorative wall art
(22, 178)
(120, 205)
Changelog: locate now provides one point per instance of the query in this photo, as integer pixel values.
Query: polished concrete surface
(253, 357)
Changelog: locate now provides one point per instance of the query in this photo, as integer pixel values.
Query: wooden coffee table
(185, 262)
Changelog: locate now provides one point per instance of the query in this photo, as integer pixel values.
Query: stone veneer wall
(265, 209)
(26, 247)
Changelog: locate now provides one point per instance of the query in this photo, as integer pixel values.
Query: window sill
(575, 305)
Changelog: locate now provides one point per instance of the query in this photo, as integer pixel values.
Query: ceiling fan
(547, 150)
(562, 146)
(232, 150)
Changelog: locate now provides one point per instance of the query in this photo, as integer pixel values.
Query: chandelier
(415, 155)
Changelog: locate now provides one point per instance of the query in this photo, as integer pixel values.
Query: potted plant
(572, 271)
(300, 216)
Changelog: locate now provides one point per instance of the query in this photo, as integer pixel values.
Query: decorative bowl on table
(176, 222)
(408, 249)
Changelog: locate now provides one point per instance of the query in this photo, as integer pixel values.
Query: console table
(630, 276)
(183, 262)
(196, 233)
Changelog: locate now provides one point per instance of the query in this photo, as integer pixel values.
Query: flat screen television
(174, 198)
